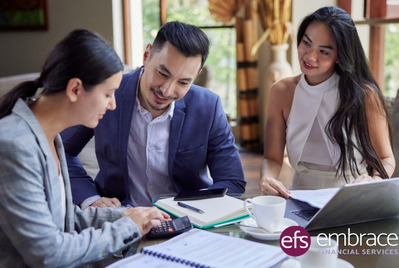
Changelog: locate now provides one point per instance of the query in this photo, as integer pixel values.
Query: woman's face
(317, 53)
(101, 98)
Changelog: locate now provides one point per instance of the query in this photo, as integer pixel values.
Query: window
(219, 74)
(391, 59)
(382, 18)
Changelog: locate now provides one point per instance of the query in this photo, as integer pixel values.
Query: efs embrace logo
(295, 241)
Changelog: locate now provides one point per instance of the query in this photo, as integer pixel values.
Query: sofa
(87, 156)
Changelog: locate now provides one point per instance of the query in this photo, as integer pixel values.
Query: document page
(316, 198)
(207, 249)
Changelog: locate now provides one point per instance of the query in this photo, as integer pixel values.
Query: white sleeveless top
(311, 153)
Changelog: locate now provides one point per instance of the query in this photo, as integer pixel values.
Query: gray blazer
(32, 227)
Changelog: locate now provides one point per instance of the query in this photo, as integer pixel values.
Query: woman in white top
(332, 118)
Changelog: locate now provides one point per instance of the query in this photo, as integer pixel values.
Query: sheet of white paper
(316, 198)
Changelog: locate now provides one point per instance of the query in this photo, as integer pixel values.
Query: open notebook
(200, 248)
(217, 211)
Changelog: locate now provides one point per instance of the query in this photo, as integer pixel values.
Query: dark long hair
(188, 39)
(356, 83)
(81, 54)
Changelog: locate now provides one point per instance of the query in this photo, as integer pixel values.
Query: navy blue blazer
(200, 136)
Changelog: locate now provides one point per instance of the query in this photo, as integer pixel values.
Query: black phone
(170, 228)
(200, 194)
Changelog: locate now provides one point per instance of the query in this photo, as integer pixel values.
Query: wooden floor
(251, 162)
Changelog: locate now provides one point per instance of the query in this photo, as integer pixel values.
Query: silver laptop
(353, 203)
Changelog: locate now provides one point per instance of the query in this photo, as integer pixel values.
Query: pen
(190, 207)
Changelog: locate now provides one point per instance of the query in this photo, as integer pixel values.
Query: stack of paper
(316, 198)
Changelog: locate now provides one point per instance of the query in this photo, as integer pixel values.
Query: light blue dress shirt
(147, 155)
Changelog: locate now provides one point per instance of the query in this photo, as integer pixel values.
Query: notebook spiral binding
(173, 259)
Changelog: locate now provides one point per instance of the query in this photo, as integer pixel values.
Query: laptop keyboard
(306, 214)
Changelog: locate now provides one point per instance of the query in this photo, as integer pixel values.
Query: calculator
(170, 228)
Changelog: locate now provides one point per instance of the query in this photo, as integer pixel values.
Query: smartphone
(170, 228)
(200, 194)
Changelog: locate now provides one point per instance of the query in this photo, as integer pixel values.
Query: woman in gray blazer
(39, 225)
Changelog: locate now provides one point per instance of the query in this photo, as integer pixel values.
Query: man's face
(167, 77)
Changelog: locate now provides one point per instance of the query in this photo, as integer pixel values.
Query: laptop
(351, 204)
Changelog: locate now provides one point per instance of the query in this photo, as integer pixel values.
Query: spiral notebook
(200, 248)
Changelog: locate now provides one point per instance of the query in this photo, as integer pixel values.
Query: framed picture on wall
(23, 15)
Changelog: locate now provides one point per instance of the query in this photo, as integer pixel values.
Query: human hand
(271, 186)
(106, 202)
(146, 217)
(366, 178)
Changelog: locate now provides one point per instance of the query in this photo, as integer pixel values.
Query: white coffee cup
(323, 252)
(268, 211)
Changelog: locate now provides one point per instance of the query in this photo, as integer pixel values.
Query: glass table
(371, 244)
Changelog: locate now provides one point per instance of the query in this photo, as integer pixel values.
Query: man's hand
(106, 202)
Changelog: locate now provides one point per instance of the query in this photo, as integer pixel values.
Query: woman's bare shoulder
(286, 85)
(282, 95)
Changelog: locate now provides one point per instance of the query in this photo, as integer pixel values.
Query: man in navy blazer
(166, 134)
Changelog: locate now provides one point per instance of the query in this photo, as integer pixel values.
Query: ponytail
(24, 90)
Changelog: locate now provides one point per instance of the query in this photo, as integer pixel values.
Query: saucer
(259, 234)
(293, 262)
(344, 264)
